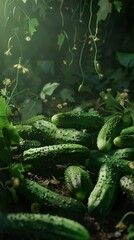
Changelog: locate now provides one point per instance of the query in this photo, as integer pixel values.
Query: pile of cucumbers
(98, 159)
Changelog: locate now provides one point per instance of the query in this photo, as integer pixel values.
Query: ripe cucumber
(127, 186)
(123, 141)
(78, 182)
(78, 120)
(108, 132)
(103, 196)
(43, 226)
(50, 156)
(50, 201)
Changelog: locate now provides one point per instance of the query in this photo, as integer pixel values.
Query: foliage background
(69, 50)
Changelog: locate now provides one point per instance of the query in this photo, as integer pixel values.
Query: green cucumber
(43, 226)
(123, 141)
(127, 131)
(78, 120)
(127, 186)
(108, 132)
(78, 181)
(49, 201)
(103, 196)
(49, 156)
(123, 166)
(26, 144)
(25, 131)
(125, 153)
(70, 135)
(44, 131)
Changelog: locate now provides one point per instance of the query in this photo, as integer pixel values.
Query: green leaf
(61, 38)
(104, 10)
(11, 134)
(125, 59)
(24, 1)
(48, 89)
(67, 95)
(33, 23)
(118, 5)
(5, 110)
(111, 103)
(17, 170)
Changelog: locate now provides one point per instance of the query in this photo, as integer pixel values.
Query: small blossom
(7, 81)
(8, 52)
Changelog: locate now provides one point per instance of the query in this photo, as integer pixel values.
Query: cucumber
(125, 153)
(103, 196)
(127, 186)
(123, 141)
(44, 131)
(26, 144)
(49, 156)
(108, 132)
(43, 226)
(124, 166)
(78, 182)
(49, 134)
(49, 201)
(70, 135)
(25, 132)
(127, 131)
(78, 120)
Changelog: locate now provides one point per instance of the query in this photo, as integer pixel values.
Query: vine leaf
(125, 59)
(104, 10)
(33, 23)
(61, 38)
(118, 5)
(48, 89)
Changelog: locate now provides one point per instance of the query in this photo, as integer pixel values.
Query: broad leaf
(104, 10)
(33, 23)
(125, 59)
(48, 89)
(118, 5)
(67, 95)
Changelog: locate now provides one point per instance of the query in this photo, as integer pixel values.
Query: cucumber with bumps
(127, 186)
(78, 182)
(50, 201)
(108, 132)
(78, 120)
(50, 156)
(103, 195)
(43, 226)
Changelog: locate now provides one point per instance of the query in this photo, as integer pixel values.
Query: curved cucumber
(103, 195)
(78, 182)
(50, 201)
(44, 226)
(108, 132)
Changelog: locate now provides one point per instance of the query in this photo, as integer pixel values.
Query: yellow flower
(19, 66)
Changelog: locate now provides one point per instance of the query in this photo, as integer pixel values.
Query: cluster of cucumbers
(98, 156)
